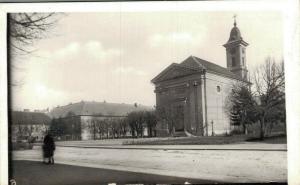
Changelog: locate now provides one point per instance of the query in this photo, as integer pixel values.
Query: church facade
(191, 95)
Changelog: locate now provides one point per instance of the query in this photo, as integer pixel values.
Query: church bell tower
(236, 53)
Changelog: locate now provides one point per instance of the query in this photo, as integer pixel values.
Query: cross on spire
(234, 16)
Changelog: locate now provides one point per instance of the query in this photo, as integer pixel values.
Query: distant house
(81, 118)
(26, 124)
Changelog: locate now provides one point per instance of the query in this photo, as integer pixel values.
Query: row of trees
(66, 127)
(137, 121)
(106, 128)
(265, 104)
(25, 130)
(133, 125)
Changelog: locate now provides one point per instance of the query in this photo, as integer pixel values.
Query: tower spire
(236, 52)
(234, 16)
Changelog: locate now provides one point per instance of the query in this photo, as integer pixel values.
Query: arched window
(218, 88)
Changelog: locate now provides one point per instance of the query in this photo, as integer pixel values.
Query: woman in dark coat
(48, 149)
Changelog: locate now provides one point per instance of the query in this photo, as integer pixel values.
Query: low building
(25, 124)
(94, 120)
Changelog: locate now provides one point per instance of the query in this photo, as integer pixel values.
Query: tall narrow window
(243, 61)
(233, 61)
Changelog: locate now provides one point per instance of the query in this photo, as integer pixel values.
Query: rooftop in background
(29, 118)
(97, 108)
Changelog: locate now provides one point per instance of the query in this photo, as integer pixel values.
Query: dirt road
(216, 165)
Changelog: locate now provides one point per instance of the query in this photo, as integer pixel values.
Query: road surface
(31, 172)
(215, 165)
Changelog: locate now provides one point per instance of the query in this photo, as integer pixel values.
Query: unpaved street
(217, 165)
(33, 172)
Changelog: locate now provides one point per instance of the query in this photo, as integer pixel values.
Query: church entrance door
(178, 113)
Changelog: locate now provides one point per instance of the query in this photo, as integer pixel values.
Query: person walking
(48, 149)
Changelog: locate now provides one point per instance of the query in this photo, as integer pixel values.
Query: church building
(191, 95)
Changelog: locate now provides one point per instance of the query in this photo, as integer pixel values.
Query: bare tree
(132, 121)
(24, 29)
(135, 121)
(30, 130)
(266, 104)
(93, 127)
(96, 127)
(100, 127)
(165, 114)
(124, 126)
(106, 123)
(117, 127)
(269, 86)
(150, 119)
(21, 131)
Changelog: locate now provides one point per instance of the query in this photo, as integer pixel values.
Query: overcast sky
(113, 56)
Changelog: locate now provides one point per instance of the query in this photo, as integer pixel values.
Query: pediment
(172, 72)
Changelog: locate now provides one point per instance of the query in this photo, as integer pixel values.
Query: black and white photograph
(164, 92)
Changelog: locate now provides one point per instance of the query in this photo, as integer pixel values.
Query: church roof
(29, 118)
(96, 108)
(197, 65)
(208, 66)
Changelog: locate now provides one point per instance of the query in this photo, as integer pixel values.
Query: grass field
(209, 140)
(278, 139)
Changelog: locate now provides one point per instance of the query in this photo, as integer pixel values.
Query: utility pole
(212, 128)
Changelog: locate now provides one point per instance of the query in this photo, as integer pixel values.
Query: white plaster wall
(216, 101)
(85, 133)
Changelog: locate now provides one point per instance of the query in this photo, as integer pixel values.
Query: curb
(165, 149)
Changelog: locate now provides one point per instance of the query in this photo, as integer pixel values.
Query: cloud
(129, 71)
(62, 70)
(86, 62)
(95, 49)
(158, 40)
(36, 91)
(69, 49)
(90, 51)
(180, 37)
(42, 92)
